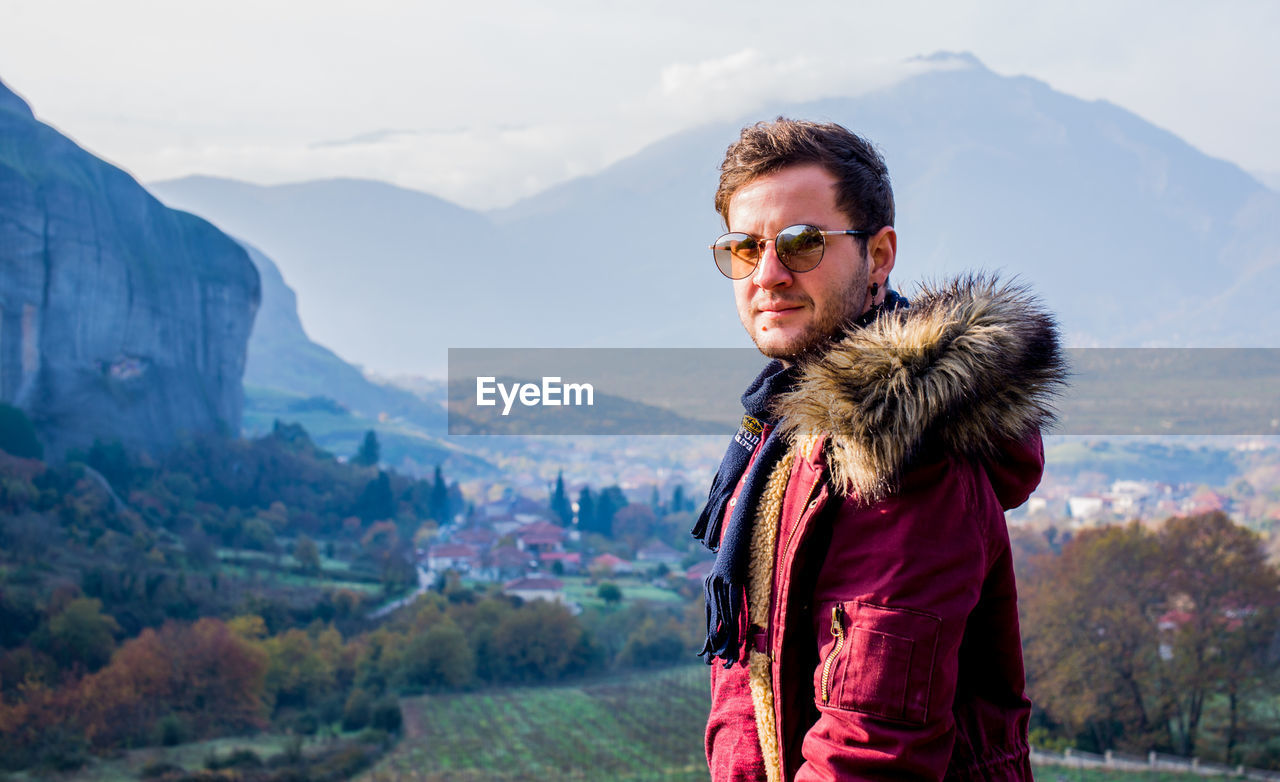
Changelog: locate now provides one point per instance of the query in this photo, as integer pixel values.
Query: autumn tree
(204, 674)
(1092, 653)
(81, 634)
(1225, 600)
(440, 658)
(537, 642)
(1130, 633)
(300, 668)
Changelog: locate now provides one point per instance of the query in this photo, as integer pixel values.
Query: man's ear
(882, 250)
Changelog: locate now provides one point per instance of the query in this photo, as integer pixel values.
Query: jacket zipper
(837, 630)
(786, 548)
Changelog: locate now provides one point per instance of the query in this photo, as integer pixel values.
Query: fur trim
(969, 363)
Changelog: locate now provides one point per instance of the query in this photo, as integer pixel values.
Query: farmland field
(643, 726)
(640, 726)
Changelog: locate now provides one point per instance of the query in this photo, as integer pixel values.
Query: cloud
(729, 86)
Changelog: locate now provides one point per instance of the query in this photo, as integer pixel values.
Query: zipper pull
(837, 620)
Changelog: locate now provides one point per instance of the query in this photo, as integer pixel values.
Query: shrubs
(358, 711)
(386, 715)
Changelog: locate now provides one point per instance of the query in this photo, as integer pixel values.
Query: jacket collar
(971, 363)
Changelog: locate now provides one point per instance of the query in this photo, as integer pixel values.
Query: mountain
(385, 273)
(1132, 236)
(122, 319)
(282, 357)
(291, 378)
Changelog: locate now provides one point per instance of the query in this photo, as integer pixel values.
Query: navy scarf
(725, 587)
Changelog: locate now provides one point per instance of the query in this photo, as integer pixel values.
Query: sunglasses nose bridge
(770, 275)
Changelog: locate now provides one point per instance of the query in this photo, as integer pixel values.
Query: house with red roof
(504, 563)
(608, 563)
(480, 537)
(453, 556)
(536, 588)
(570, 561)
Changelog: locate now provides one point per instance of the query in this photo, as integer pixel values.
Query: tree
(1092, 652)
(1228, 602)
(560, 504)
(440, 657)
(299, 673)
(678, 501)
(1129, 633)
(376, 500)
(610, 593)
(82, 634)
(18, 434)
(586, 510)
(439, 503)
(111, 460)
(610, 502)
(635, 524)
(307, 554)
(535, 643)
(368, 454)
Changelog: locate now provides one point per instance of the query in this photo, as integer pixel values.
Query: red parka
(891, 648)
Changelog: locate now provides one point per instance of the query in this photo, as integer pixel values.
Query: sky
(495, 101)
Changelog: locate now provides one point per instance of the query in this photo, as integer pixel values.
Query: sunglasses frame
(763, 243)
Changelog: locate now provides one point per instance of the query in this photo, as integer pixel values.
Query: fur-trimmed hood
(970, 364)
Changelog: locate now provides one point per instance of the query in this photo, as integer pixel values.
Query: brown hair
(863, 191)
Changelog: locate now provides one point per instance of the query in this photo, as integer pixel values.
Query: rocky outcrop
(119, 317)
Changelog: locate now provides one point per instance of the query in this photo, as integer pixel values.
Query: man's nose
(770, 273)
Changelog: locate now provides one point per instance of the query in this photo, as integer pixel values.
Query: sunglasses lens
(736, 255)
(800, 247)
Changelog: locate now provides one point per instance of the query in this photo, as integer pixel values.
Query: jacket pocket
(876, 659)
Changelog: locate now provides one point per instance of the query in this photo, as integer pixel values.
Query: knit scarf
(725, 586)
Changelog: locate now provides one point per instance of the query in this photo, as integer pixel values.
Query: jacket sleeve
(893, 597)
(732, 744)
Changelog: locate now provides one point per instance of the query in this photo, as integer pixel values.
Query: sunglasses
(799, 247)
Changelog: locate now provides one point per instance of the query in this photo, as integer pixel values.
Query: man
(861, 612)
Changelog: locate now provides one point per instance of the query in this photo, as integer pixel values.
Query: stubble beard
(827, 327)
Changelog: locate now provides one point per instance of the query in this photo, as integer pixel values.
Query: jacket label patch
(748, 435)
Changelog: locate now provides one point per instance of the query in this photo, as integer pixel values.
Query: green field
(644, 726)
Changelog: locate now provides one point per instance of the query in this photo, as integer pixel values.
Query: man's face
(788, 313)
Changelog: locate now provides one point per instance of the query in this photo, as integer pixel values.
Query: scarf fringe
(707, 528)
(726, 620)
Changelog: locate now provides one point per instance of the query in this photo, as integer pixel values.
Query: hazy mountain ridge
(282, 356)
(122, 319)
(1131, 235)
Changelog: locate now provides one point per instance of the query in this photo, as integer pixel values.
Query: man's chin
(788, 349)
(793, 348)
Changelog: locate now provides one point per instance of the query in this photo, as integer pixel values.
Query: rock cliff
(119, 317)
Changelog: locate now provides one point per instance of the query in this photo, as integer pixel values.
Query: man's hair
(863, 191)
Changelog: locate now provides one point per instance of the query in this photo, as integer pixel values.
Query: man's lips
(778, 308)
